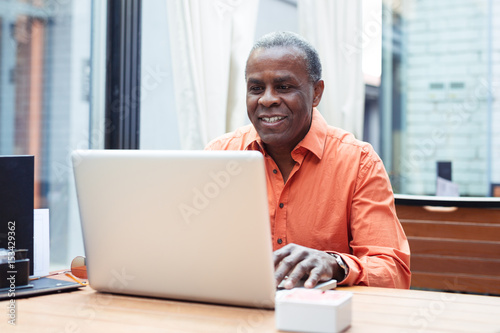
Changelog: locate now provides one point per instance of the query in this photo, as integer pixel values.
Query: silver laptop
(188, 225)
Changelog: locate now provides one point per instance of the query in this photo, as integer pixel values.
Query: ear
(318, 92)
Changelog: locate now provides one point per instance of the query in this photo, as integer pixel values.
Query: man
(330, 201)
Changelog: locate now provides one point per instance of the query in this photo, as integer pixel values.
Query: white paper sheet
(41, 242)
(446, 188)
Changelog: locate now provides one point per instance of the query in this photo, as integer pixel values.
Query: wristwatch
(341, 263)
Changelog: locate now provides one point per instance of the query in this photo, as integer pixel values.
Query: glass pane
(436, 97)
(44, 105)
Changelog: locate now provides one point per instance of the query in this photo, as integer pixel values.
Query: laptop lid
(189, 225)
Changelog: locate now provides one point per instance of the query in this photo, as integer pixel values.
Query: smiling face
(280, 96)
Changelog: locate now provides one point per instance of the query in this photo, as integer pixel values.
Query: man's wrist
(343, 270)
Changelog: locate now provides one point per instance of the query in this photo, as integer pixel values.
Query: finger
(315, 276)
(298, 273)
(278, 255)
(322, 271)
(284, 267)
(287, 264)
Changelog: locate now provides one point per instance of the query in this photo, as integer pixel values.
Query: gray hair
(291, 39)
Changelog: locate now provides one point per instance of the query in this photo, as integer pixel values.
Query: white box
(313, 310)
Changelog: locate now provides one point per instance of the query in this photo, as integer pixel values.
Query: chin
(272, 140)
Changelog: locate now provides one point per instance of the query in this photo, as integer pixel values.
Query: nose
(269, 98)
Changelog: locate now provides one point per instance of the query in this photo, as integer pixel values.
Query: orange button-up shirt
(337, 199)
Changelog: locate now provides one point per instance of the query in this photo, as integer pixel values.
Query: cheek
(251, 104)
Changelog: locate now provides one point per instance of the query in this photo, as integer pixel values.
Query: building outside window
(45, 103)
(440, 95)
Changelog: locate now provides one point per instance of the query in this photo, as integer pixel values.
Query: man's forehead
(277, 77)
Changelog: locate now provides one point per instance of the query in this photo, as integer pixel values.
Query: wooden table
(374, 310)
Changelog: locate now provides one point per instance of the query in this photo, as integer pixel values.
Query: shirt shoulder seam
(227, 138)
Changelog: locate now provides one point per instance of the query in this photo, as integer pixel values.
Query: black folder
(16, 203)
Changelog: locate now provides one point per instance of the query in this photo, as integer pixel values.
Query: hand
(298, 262)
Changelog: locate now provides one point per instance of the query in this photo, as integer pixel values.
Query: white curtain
(334, 28)
(210, 42)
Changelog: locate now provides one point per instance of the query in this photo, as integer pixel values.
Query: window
(439, 95)
(45, 68)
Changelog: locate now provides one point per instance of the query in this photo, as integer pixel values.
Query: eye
(255, 89)
(283, 87)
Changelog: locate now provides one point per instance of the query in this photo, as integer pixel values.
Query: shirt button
(275, 171)
(281, 205)
(280, 241)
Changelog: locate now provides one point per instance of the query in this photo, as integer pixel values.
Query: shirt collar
(253, 141)
(314, 141)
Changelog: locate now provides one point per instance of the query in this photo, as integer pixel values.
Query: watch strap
(341, 264)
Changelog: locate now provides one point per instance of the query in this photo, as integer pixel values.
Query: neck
(282, 158)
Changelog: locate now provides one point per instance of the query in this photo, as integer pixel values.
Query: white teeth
(272, 119)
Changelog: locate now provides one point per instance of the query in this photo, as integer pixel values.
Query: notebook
(186, 225)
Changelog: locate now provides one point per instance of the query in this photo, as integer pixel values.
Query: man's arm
(380, 253)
